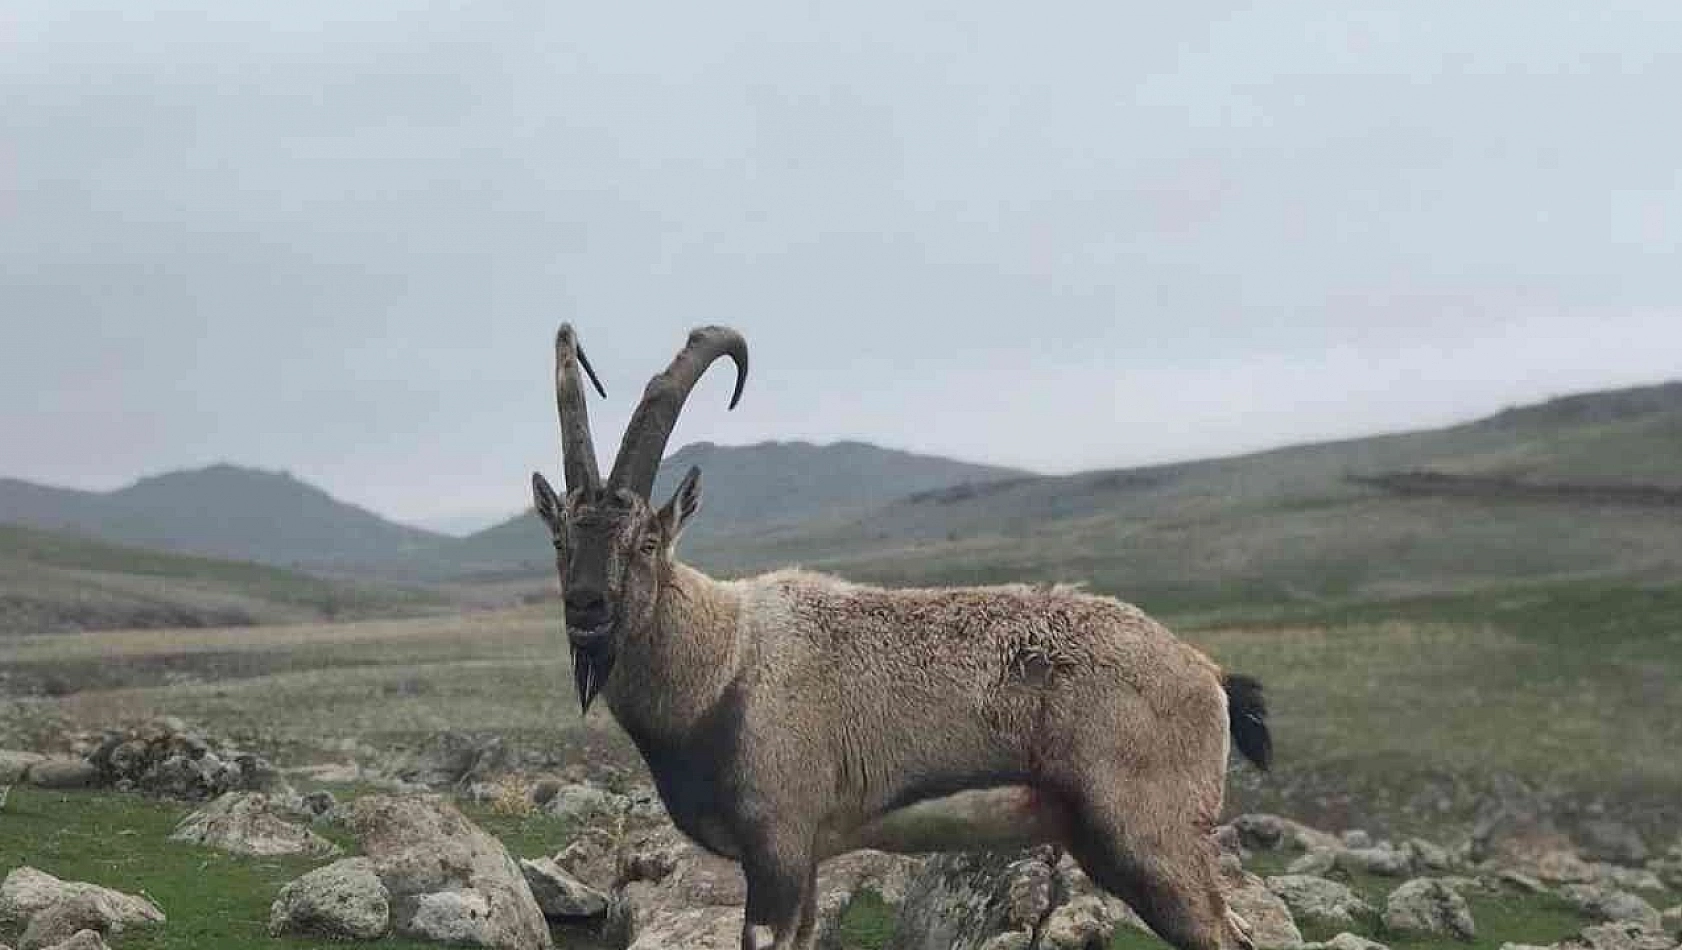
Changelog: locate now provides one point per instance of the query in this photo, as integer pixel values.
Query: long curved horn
(578, 453)
(651, 425)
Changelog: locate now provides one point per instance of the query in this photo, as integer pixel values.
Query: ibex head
(613, 549)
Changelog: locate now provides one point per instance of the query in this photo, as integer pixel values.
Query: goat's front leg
(780, 870)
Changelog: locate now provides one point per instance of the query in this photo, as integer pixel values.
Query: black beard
(589, 674)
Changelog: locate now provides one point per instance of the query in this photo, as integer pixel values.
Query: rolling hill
(53, 582)
(744, 489)
(1311, 524)
(222, 511)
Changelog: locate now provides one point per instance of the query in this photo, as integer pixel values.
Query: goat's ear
(682, 506)
(548, 505)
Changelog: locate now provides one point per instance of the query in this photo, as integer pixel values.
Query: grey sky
(335, 238)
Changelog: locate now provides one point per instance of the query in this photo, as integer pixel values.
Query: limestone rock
(1271, 924)
(1426, 905)
(593, 858)
(247, 823)
(63, 773)
(26, 892)
(1606, 839)
(447, 879)
(15, 765)
(582, 804)
(559, 894)
(1611, 905)
(1671, 922)
(1428, 856)
(966, 901)
(1346, 941)
(164, 757)
(1264, 832)
(1315, 861)
(841, 878)
(1319, 900)
(1624, 935)
(82, 940)
(1384, 861)
(343, 901)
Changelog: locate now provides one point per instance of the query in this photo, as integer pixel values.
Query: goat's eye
(651, 544)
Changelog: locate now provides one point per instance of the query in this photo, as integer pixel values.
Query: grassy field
(1568, 686)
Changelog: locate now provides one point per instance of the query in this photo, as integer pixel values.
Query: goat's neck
(669, 674)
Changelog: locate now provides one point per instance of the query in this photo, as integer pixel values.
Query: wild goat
(790, 717)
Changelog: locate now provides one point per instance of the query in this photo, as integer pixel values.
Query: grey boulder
(249, 823)
(343, 901)
(448, 879)
(1431, 907)
(1319, 900)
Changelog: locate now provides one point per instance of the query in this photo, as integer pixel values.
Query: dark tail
(1246, 711)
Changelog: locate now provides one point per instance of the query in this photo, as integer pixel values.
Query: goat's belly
(999, 818)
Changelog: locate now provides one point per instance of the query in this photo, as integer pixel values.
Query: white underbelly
(985, 819)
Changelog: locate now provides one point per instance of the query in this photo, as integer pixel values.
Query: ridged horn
(578, 452)
(662, 400)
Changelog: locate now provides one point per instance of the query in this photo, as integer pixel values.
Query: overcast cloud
(336, 237)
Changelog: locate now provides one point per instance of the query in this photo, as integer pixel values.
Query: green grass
(212, 899)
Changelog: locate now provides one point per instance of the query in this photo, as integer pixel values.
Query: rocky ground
(392, 855)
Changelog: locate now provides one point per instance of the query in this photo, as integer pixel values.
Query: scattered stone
(447, 878)
(61, 922)
(842, 878)
(1671, 922)
(1319, 900)
(343, 901)
(592, 858)
(1605, 839)
(1264, 832)
(675, 895)
(1356, 838)
(542, 790)
(1561, 866)
(82, 940)
(319, 802)
(26, 892)
(1623, 935)
(582, 804)
(1523, 882)
(559, 894)
(15, 765)
(63, 773)
(453, 759)
(165, 758)
(1271, 926)
(967, 901)
(1629, 879)
(1080, 922)
(1316, 861)
(1426, 905)
(1610, 904)
(1384, 861)
(1428, 856)
(246, 823)
(1346, 941)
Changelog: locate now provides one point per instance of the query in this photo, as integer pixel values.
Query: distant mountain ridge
(1534, 491)
(224, 511)
(751, 488)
